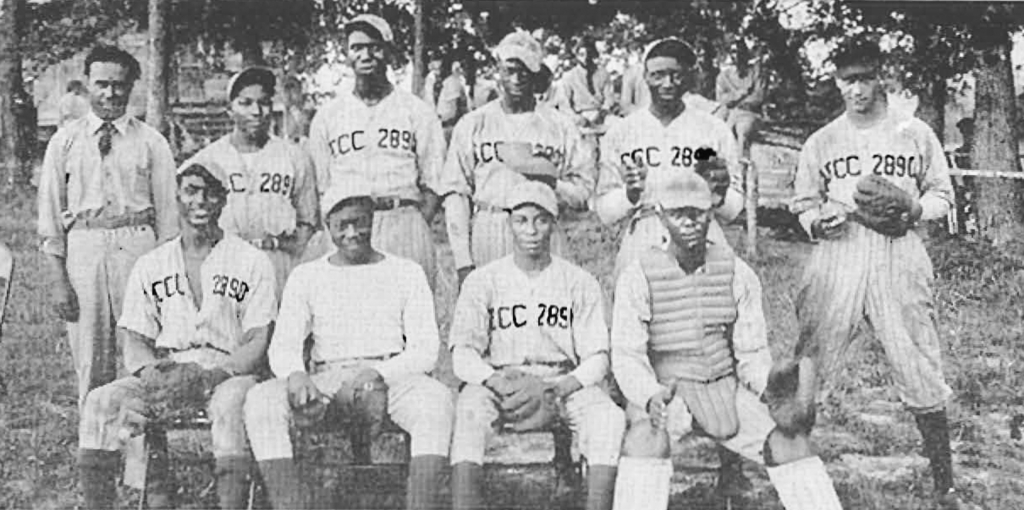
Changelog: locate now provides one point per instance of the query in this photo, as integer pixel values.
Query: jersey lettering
(485, 152)
(275, 183)
(166, 287)
(679, 157)
(892, 165)
(234, 288)
(515, 316)
(396, 139)
(347, 142)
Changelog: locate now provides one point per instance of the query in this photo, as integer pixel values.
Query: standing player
(641, 153)
(690, 348)
(529, 334)
(197, 312)
(502, 144)
(387, 136)
(741, 88)
(371, 318)
(871, 267)
(272, 200)
(106, 194)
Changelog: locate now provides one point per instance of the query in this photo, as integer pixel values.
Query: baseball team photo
(511, 254)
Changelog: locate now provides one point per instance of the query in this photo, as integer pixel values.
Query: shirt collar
(94, 122)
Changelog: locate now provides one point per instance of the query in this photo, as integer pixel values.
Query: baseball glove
(179, 390)
(713, 169)
(882, 206)
(532, 405)
(788, 403)
(364, 401)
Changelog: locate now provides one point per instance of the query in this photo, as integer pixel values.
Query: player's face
(861, 86)
(199, 202)
(688, 226)
(350, 228)
(531, 230)
(666, 78)
(582, 55)
(515, 78)
(250, 111)
(366, 53)
(109, 88)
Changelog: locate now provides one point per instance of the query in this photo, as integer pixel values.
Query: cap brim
(251, 76)
(527, 57)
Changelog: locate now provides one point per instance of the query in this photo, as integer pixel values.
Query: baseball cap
(375, 22)
(685, 189)
(346, 188)
(672, 47)
(251, 76)
(208, 170)
(533, 192)
(521, 46)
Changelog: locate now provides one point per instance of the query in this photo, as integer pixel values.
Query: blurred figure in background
(74, 104)
(740, 88)
(587, 88)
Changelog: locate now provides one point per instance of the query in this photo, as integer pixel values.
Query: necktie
(106, 134)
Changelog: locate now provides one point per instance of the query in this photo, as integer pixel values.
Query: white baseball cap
(208, 168)
(523, 47)
(672, 46)
(533, 193)
(345, 188)
(376, 22)
(685, 189)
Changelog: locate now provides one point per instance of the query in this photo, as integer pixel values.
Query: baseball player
(371, 318)
(862, 183)
(388, 136)
(690, 349)
(201, 303)
(502, 144)
(106, 194)
(641, 153)
(530, 341)
(741, 90)
(272, 199)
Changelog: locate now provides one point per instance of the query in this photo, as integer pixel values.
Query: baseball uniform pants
(888, 280)
(648, 232)
(103, 415)
(402, 231)
(417, 403)
(491, 237)
(98, 263)
(595, 420)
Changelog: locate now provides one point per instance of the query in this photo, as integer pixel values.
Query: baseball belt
(321, 365)
(485, 207)
(206, 345)
(134, 219)
(390, 203)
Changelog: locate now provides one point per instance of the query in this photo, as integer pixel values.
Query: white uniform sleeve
(576, 184)
(139, 312)
(936, 187)
(729, 150)
(631, 315)
(750, 332)
(294, 323)
(429, 150)
(261, 309)
(612, 204)
(808, 187)
(590, 333)
(470, 337)
(319, 151)
(456, 185)
(419, 327)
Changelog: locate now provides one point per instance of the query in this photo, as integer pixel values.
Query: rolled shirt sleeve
(611, 203)
(936, 187)
(456, 186)
(420, 329)
(808, 186)
(261, 310)
(51, 199)
(304, 194)
(631, 315)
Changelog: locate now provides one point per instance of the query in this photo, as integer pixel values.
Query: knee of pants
(643, 440)
(226, 413)
(433, 420)
(603, 429)
(474, 415)
(266, 403)
(782, 449)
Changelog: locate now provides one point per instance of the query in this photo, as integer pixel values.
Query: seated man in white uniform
(689, 350)
(371, 317)
(197, 313)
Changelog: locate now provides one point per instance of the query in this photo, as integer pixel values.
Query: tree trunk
(156, 100)
(16, 142)
(998, 201)
(418, 74)
(932, 106)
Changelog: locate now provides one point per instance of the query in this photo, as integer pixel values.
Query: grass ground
(868, 442)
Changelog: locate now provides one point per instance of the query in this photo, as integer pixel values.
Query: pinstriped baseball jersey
(642, 140)
(270, 191)
(238, 294)
(397, 144)
(904, 151)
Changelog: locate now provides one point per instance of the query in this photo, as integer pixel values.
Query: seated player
(197, 315)
(530, 340)
(689, 350)
(374, 339)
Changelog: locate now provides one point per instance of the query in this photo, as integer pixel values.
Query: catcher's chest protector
(682, 305)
